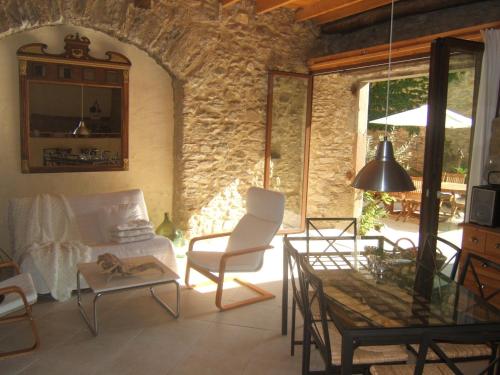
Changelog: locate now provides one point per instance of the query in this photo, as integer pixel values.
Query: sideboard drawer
(488, 286)
(474, 239)
(493, 245)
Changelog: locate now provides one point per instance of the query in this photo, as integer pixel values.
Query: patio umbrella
(418, 117)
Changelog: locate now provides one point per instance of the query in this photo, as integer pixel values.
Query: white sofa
(87, 209)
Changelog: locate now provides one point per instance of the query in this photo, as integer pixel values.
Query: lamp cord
(389, 71)
(81, 107)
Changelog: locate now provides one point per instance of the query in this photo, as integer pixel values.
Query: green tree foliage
(374, 210)
(405, 94)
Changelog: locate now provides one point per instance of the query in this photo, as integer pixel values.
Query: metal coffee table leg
(92, 324)
(175, 313)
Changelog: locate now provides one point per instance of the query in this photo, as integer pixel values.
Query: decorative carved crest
(76, 47)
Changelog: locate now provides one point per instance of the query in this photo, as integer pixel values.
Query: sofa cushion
(87, 210)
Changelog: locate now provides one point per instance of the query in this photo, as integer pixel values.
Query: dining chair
(412, 200)
(19, 293)
(454, 177)
(447, 365)
(245, 247)
(457, 201)
(471, 276)
(323, 333)
(443, 248)
(298, 288)
(297, 281)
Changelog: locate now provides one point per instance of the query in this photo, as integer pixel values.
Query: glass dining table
(380, 297)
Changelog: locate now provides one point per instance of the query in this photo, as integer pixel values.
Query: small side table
(99, 284)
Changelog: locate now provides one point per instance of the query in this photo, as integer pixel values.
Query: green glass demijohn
(167, 228)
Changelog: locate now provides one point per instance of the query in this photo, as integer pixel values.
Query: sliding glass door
(453, 85)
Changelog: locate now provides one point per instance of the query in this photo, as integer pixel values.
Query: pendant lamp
(384, 173)
(81, 129)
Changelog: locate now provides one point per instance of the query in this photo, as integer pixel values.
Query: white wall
(151, 127)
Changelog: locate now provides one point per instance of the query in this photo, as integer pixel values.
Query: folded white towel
(133, 224)
(131, 232)
(141, 237)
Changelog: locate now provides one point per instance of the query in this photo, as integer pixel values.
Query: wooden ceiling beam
(331, 10)
(402, 49)
(354, 8)
(226, 3)
(264, 6)
(402, 8)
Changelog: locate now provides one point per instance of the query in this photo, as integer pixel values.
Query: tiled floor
(138, 337)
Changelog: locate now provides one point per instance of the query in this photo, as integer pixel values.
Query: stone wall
(333, 145)
(218, 60)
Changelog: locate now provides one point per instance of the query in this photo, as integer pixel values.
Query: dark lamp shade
(383, 173)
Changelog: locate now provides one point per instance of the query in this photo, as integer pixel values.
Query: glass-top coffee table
(100, 283)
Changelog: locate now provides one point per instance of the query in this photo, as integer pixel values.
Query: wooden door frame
(307, 140)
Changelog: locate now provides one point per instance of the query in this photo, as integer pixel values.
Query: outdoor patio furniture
(410, 201)
(19, 293)
(454, 177)
(454, 186)
(245, 248)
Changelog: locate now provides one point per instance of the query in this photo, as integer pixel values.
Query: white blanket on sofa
(51, 238)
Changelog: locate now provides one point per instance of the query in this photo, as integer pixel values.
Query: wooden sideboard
(483, 241)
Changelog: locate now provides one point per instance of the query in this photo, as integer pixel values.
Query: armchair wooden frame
(219, 280)
(27, 315)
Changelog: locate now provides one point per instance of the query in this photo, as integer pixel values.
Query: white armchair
(19, 293)
(245, 248)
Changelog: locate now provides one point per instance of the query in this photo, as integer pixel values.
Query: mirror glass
(74, 108)
(288, 143)
(55, 112)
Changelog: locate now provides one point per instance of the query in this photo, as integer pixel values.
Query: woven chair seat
(366, 354)
(453, 351)
(429, 369)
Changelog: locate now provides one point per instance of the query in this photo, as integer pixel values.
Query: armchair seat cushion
(13, 301)
(210, 260)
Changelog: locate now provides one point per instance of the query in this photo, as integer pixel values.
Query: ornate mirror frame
(288, 133)
(48, 144)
